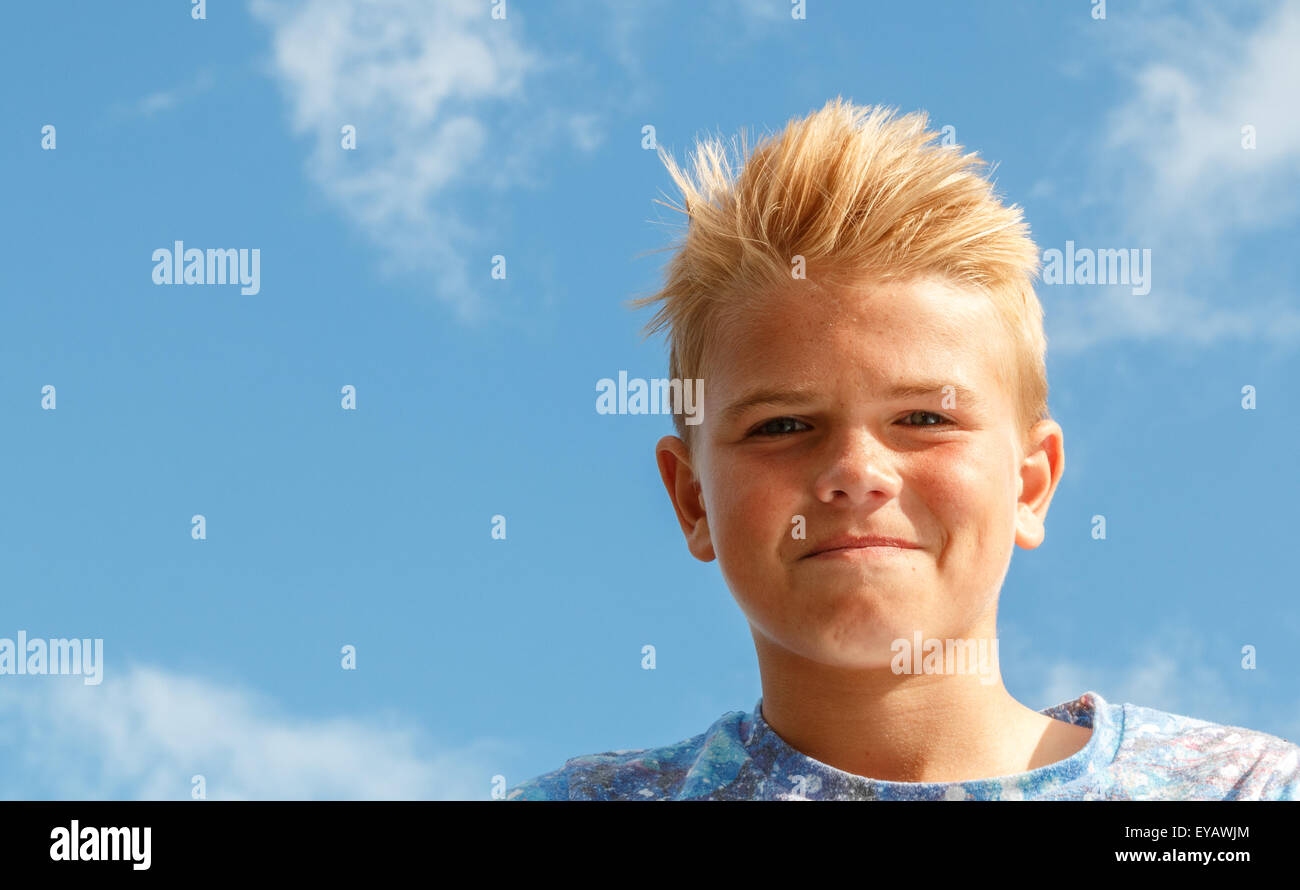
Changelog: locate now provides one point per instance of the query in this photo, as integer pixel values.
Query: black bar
(544, 841)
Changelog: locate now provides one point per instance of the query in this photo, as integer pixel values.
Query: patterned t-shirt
(1134, 753)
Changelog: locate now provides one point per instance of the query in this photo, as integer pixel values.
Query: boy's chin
(872, 602)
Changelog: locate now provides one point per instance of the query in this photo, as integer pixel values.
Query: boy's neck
(926, 728)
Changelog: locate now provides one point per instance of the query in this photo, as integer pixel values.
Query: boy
(876, 441)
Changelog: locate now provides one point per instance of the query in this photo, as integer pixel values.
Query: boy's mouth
(855, 544)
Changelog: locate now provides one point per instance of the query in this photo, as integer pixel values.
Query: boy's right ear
(687, 496)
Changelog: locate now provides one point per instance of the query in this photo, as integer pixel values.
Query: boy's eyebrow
(784, 396)
(963, 394)
(766, 396)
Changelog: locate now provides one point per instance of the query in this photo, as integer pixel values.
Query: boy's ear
(687, 496)
(1040, 471)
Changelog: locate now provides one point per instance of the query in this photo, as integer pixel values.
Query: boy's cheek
(762, 535)
(959, 490)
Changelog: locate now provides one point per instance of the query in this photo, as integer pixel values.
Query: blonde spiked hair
(857, 191)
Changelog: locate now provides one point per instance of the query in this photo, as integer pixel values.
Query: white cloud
(444, 97)
(1173, 670)
(586, 131)
(765, 10)
(1173, 171)
(1185, 119)
(144, 732)
(166, 100)
(634, 35)
(420, 82)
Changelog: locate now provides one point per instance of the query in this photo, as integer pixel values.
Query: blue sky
(479, 657)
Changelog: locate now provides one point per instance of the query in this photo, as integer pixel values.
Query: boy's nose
(857, 469)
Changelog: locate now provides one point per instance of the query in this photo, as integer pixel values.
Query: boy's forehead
(924, 328)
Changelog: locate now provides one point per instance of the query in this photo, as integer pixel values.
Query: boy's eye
(780, 426)
(777, 426)
(939, 419)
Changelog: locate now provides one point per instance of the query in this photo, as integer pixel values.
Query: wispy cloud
(763, 10)
(145, 732)
(1172, 174)
(422, 83)
(445, 99)
(1184, 124)
(1175, 669)
(635, 32)
(169, 99)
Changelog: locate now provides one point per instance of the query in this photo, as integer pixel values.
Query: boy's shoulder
(1172, 756)
(689, 768)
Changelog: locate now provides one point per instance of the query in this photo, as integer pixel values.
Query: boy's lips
(852, 543)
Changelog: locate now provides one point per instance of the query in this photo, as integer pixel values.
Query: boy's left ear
(1040, 471)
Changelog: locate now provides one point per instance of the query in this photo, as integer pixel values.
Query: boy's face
(805, 429)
